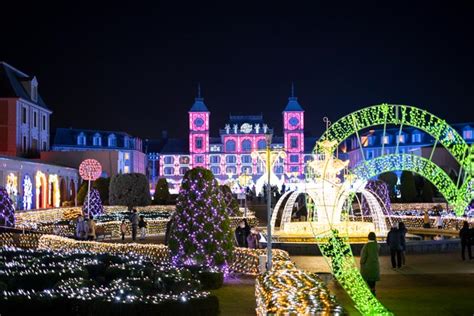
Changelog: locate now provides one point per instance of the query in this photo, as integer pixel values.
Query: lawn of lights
(91, 282)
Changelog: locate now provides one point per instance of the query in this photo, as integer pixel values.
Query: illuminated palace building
(232, 155)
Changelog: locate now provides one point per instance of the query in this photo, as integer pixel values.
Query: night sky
(136, 68)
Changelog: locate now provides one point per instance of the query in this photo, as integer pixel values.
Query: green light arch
(422, 166)
(405, 115)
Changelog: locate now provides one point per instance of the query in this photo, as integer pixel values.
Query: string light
(7, 210)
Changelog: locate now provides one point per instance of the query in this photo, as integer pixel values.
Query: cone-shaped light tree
(96, 207)
(201, 233)
(7, 210)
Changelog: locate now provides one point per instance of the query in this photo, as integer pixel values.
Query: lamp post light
(268, 138)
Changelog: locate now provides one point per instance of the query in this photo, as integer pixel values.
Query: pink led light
(90, 169)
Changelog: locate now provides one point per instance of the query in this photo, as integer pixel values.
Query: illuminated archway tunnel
(458, 197)
(336, 249)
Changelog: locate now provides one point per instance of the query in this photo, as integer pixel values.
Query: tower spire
(199, 90)
(292, 89)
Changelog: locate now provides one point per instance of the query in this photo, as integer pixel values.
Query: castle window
(246, 159)
(230, 146)
(293, 142)
(44, 122)
(261, 144)
(294, 158)
(215, 159)
(112, 140)
(247, 170)
(278, 169)
(23, 115)
(416, 137)
(97, 140)
(231, 170)
(230, 159)
(183, 170)
(168, 160)
(168, 171)
(184, 160)
(216, 170)
(385, 140)
(81, 139)
(199, 159)
(401, 139)
(246, 145)
(467, 134)
(198, 142)
(35, 119)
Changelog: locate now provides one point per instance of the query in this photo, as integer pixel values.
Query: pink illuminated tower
(199, 133)
(293, 132)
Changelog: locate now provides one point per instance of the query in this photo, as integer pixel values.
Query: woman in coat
(369, 262)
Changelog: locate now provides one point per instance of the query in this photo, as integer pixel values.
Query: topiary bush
(162, 192)
(102, 185)
(129, 189)
(201, 235)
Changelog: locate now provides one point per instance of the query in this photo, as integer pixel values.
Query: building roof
(293, 105)
(154, 145)
(11, 85)
(251, 119)
(67, 137)
(199, 106)
(175, 146)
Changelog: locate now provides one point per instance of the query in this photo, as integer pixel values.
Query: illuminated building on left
(24, 133)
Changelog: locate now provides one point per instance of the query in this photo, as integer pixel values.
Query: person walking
(239, 234)
(142, 225)
(123, 229)
(169, 228)
(403, 231)
(426, 220)
(395, 242)
(439, 220)
(134, 220)
(369, 262)
(81, 232)
(91, 234)
(253, 239)
(465, 236)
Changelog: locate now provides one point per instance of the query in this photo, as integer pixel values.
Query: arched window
(168, 160)
(261, 144)
(230, 159)
(169, 171)
(246, 145)
(230, 145)
(81, 139)
(231, 170)
(97, 140)
(112, 140)
(215, 159)
(183, 170)
(216, 170)
(246, 159)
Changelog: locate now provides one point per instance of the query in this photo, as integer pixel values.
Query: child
(123, 229)
(253, 239)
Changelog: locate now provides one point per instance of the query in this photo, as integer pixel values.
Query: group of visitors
(246, 236)
(369, 255)
(138, 223)
(85, 228)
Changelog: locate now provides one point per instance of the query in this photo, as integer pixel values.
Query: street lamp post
(268, 138)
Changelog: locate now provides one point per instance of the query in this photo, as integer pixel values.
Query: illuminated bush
(201, 233)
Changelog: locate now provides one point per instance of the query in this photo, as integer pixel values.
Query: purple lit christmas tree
(201, 233)
(7, 211)
(380, 189)
(96, 207)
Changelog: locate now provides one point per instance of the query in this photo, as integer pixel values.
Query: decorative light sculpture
(55, 195)
(7, 209)
(93, 205)
(12, 186)
(90, 170)
(27, 193)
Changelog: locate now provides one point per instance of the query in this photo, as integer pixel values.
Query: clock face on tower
(294, 121)
(199, 122)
